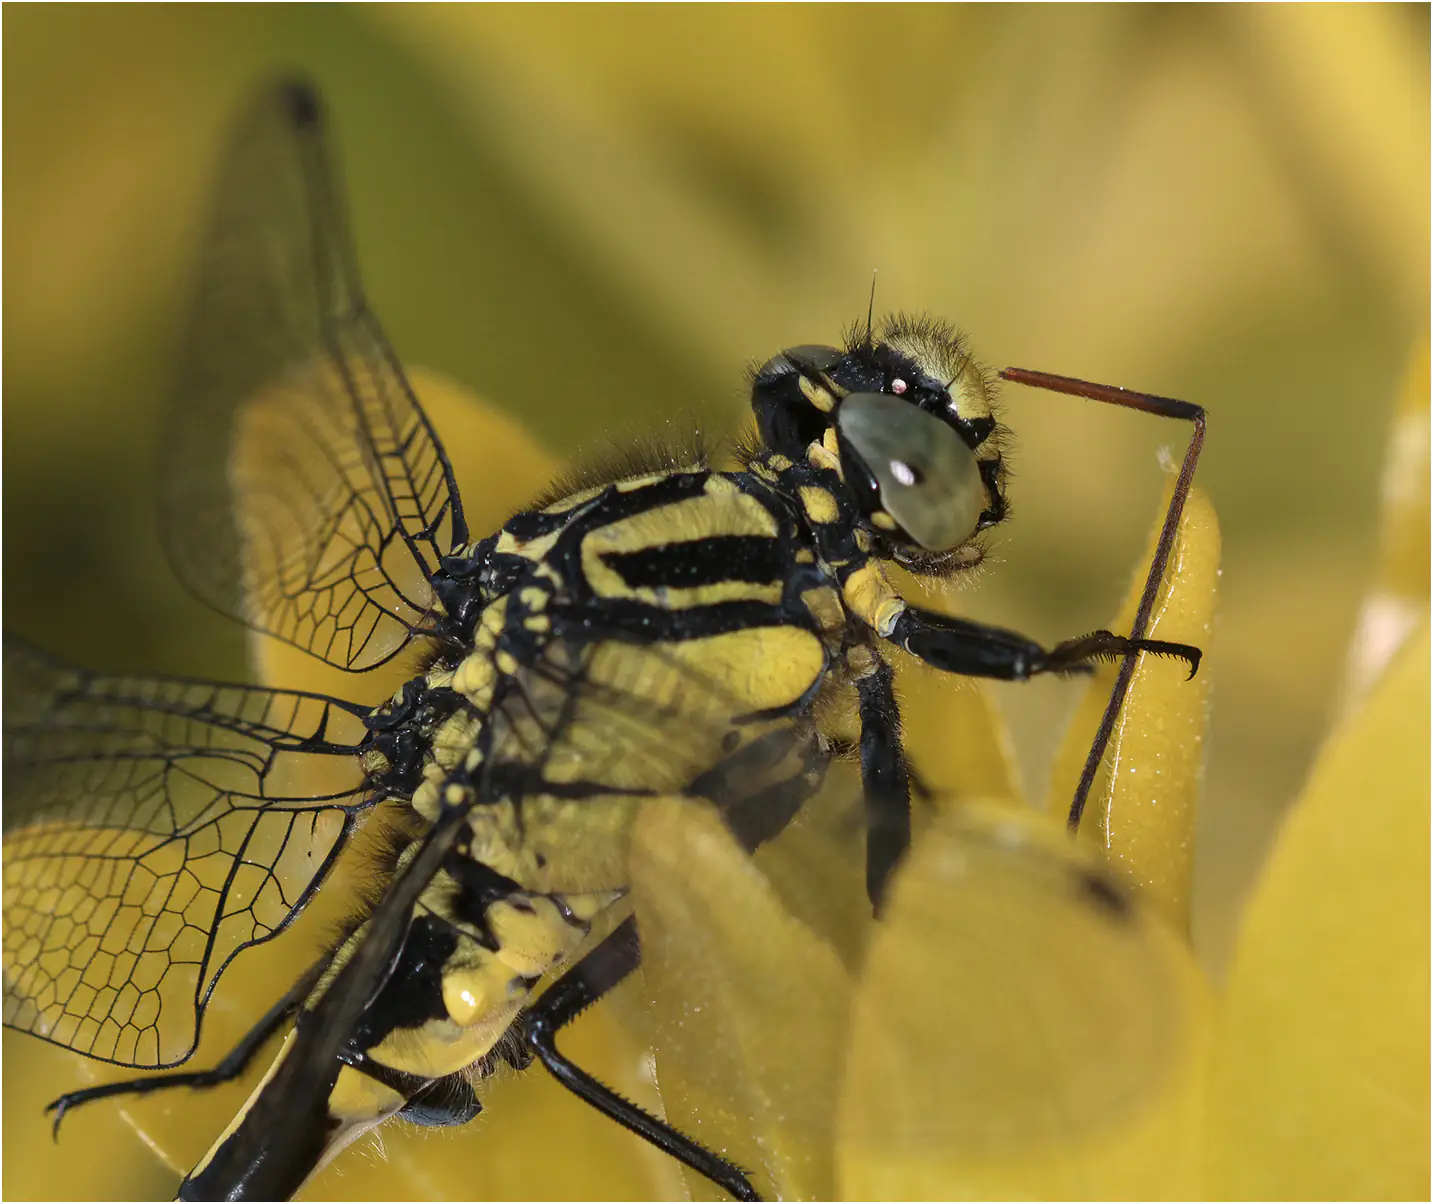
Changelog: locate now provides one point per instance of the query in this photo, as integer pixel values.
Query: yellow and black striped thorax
(692, 618)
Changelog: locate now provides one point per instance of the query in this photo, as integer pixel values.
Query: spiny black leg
(978, 650)
(885, 778)
(235, 1062)
(961, 646)
(921, 790)
(1106, 646)
(582, 986)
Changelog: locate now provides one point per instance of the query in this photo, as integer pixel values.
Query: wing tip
(300, 101)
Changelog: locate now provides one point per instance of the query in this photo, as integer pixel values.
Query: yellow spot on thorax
(825, 453)
(825, 606)
(820, 504)
(476, 675)
(861, 662)
(818, 395)
(531, 549)
(871, 598)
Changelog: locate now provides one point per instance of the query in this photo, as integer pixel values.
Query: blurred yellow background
(595, 217)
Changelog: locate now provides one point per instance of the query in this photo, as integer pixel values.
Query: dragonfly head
(906, 416)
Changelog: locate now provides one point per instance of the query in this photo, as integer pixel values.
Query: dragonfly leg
(583, 985)
(886, 779)
(234, 1063)
(978, 650)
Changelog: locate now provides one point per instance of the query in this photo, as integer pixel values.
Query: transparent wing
(153, 829)
(1012, 1008)
(1066, 1008)
(577, 747)
(303, 489)
(583, 740)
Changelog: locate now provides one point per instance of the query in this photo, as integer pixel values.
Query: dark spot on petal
(1105, 894)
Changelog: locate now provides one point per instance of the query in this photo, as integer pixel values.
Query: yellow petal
(98, 1155)
(1141, 806)
(1398, 599)
(955, 735)
(1320, 1087)
(1022, 1029)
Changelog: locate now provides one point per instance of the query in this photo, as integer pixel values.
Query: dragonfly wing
(1014, 1012)
(153, 829)
(1026, 1025)
(303, 489)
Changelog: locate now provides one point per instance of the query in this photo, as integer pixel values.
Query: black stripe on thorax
(612, 505)
(615, 506)
(623, 619)
(691, 563)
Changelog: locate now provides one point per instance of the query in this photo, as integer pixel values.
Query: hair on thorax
(680, 447)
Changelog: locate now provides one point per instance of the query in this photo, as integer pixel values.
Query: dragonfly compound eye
(791, 403)
(928, 478)
(809, 357)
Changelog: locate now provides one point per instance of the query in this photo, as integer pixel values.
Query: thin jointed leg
(235, 1062)
(886, 779)
(583, 985)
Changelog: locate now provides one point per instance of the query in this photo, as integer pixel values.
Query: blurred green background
(595, 217)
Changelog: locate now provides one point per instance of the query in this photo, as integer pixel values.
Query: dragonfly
(652, 631)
